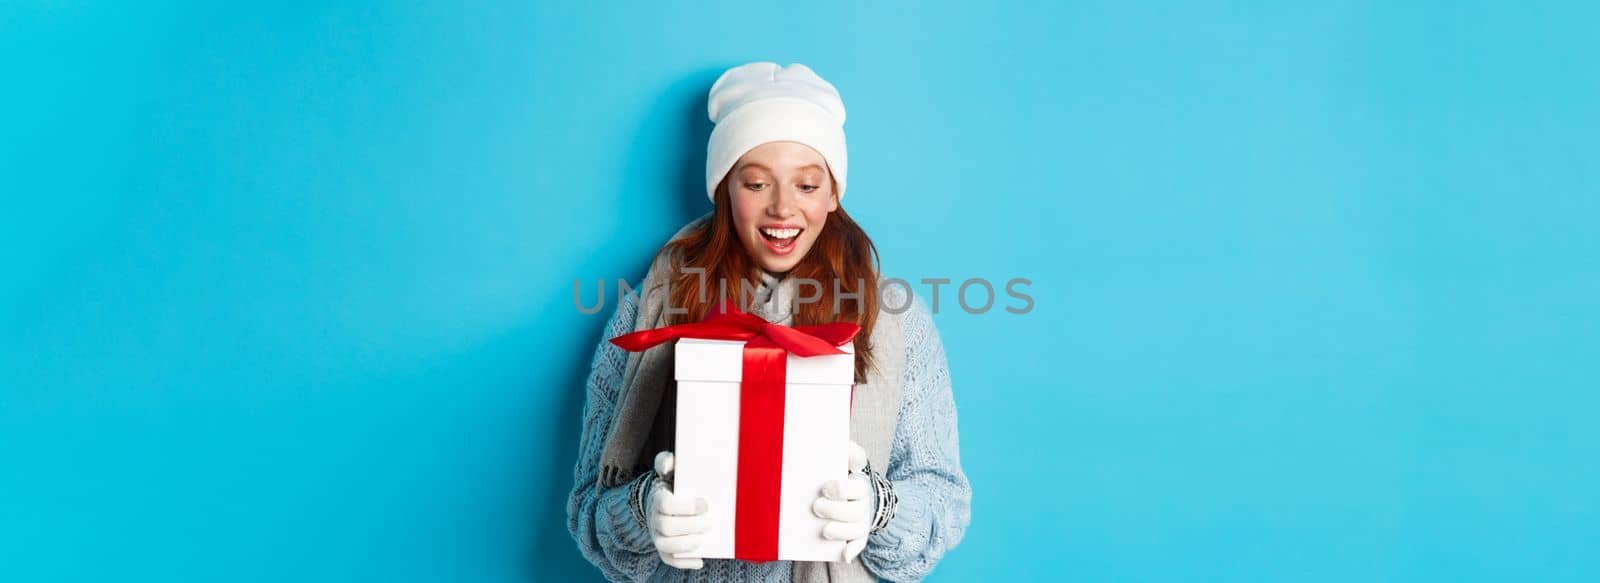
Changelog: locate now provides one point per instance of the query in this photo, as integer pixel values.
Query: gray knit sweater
(924, 466)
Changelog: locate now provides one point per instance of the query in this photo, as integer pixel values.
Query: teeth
(780, 233)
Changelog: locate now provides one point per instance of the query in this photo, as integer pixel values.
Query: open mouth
(780, 239)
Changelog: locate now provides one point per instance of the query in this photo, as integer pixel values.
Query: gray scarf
(645, 420)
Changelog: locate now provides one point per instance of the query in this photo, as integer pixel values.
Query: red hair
(842, 258)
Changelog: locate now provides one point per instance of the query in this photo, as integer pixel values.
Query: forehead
(805, 167)
(782, 157)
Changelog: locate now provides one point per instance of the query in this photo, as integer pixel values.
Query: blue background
(287, 290)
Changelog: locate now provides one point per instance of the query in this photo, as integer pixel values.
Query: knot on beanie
(756, 103)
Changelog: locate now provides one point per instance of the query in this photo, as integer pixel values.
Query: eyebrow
(812, 166)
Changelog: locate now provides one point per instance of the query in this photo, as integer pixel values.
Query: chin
(778, 266)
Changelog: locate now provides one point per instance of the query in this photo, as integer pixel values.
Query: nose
(781, 205)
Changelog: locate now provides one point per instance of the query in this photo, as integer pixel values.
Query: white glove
(848, 505)
(676, 522)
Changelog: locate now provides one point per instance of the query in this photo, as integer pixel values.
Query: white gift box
(816, 433)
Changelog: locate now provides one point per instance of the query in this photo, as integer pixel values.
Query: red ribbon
(728, 323)
(761, 401)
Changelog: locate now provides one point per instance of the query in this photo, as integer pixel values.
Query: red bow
(728, 323)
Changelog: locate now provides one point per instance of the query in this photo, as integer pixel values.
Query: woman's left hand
(848, 505)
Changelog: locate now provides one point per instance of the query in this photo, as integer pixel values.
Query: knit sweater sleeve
(924, 464)
(600, 518)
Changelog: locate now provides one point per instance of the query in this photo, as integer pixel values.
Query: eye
(809, 188)
(756, 186)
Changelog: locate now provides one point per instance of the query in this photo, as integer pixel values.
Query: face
(781, 193)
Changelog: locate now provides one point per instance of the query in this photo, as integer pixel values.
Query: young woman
(775, 172)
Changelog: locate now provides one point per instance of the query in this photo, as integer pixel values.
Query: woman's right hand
(676, 522)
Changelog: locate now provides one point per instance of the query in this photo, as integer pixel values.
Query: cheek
(816, 213)
(745, 213)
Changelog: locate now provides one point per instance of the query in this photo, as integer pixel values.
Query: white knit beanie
(756, 103)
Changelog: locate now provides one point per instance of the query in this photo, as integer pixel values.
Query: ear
(833, 202)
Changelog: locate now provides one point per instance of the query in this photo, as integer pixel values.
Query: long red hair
(842, 256)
